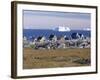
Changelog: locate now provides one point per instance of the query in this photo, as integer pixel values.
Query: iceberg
(87, 29)
(63, 29)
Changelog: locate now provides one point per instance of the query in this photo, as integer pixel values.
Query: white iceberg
(87, 29)
(63, 29)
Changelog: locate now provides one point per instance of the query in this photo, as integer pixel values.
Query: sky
(51, 20)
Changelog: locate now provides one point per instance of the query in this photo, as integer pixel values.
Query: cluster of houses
(75, 40)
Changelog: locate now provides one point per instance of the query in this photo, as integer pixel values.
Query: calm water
(37, 32)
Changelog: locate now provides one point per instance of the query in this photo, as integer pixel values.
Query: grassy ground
(55, 58)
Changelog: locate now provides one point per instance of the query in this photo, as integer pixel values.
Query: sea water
(46, 32)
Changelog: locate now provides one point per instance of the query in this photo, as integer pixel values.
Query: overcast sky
(51, 20)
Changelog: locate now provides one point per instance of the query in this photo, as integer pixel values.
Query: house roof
(39, 38)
